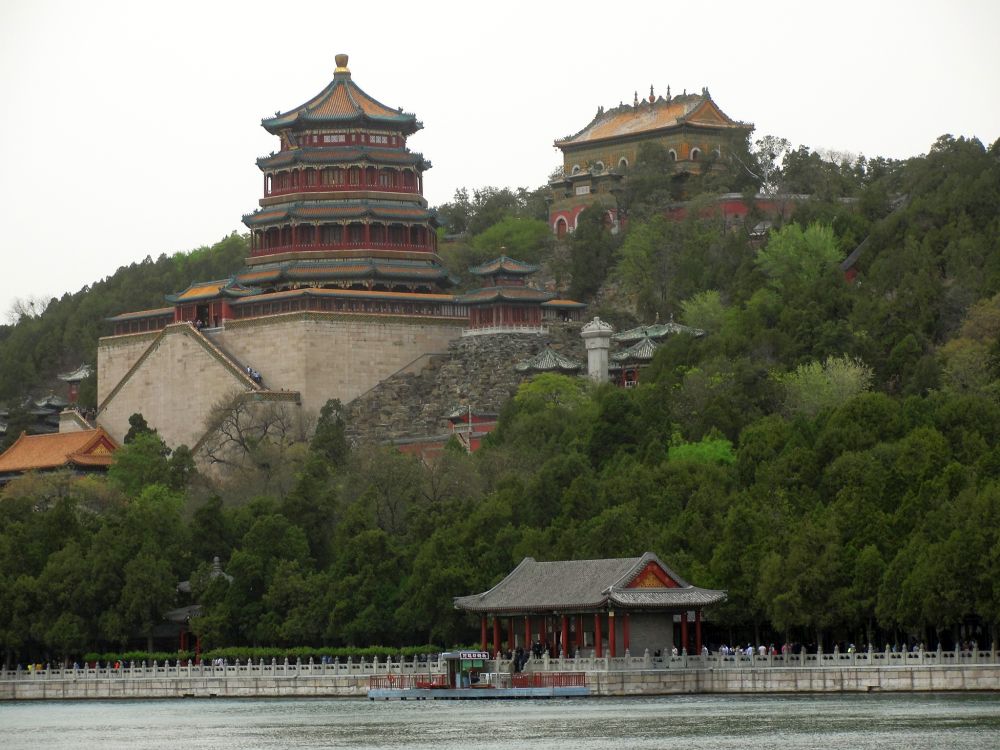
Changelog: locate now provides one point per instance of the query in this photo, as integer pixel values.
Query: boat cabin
(464, 667)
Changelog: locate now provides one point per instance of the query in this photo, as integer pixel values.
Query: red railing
(549, 679)
(402, 681)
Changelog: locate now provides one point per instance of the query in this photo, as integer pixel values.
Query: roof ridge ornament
(342, 68)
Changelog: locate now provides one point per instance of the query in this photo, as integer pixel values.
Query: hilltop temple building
(343, 286)
(596, 160)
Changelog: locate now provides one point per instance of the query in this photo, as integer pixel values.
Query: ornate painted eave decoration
(346, 294)
(549, 360)
(641, 583)
(503, 264)
(337, 156)
(304, 210)
(341, 103)
(348, 269)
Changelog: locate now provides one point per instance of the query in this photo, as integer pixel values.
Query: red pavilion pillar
(612, 635)
(527, 632)
(697, 631)
(482, 632)
(510, 633)
(625, 632)
(684, 631)
(564, 643)
(579, 632)
(368, 233)
(496, 634)
(598, 648)
(343, 235)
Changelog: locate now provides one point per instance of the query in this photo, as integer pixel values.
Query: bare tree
(256, 440)
(26, 307)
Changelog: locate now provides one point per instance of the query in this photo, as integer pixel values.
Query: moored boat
(467, 676)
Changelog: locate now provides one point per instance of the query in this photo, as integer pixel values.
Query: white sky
(132, 128)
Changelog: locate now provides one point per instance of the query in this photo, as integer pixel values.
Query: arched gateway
(617, 605)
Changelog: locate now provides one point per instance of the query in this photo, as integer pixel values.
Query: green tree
(524, 239)
(794, 257)
(815, 386)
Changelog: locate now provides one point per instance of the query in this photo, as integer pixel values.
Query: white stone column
(597, 338)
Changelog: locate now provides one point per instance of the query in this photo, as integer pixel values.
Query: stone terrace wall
(476, 371)
(905, 679)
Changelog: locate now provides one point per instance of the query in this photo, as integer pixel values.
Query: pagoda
(342, 287)
(343, 201)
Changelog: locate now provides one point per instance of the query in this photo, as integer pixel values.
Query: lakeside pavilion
(611, 606)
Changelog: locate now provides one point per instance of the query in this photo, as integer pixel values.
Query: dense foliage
(829, 453)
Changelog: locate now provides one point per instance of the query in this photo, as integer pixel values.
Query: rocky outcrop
(476, 372)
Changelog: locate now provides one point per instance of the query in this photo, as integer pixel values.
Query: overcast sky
(130, 128)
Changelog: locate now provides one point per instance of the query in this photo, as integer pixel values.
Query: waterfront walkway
(627, 675)
(430, 665)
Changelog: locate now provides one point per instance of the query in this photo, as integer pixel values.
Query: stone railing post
(819, 655)
(647, 660)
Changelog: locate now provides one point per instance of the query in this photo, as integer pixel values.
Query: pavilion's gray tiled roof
(656, 598)
(642, 351)
(547, 360)
(575, 585)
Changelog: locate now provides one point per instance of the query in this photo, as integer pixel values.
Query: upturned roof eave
(652, 132)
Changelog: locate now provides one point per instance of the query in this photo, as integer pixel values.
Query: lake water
(913, 722)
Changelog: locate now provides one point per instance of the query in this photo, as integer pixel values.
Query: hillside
(35, 348)
(829, 453)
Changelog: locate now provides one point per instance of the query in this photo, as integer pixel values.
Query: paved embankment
(923, 678)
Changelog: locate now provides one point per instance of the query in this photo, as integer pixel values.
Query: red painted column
(697, 631)
(625, 633)
(482, 632)
(579, 631)
(343, 235)
(684, 630)
(368, 233)
(612, 635)
(598, 648)
(510, 634)
(527, 632)
(564, 643)
(496, 634)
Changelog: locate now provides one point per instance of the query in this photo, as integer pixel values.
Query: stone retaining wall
(647, 682)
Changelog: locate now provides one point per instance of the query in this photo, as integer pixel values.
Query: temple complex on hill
(342, 288)
(596, 160)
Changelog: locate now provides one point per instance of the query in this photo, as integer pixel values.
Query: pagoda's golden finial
(341, 64)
